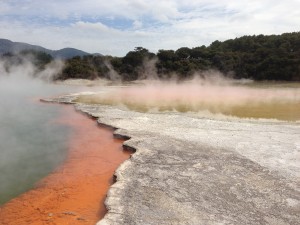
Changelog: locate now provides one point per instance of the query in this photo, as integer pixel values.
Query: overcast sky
(115, 27)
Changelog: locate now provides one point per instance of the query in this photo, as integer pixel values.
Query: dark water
(31, 143)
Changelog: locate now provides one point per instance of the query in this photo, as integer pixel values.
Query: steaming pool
(277, 101)
(216, 119)
(32, 140)
(32, 144)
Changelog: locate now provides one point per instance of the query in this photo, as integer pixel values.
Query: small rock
(70, 213)
(80, 218)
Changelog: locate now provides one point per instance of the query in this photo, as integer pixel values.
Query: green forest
(257, 57)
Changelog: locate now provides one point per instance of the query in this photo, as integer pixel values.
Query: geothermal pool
(32, 144)
(172, 123)
(254, 100)
(32, 140)
(56, 163)
(75, 191)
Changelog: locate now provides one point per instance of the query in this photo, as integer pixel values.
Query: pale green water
(31, 144)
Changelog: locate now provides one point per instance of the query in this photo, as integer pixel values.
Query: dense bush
(37, 58)
(272, 57)
(259, 57)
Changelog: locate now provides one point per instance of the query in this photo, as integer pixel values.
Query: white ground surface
(272, 144)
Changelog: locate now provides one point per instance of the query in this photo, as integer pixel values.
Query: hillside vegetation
(258, 57)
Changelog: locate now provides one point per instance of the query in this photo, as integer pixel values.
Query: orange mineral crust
(75, 192)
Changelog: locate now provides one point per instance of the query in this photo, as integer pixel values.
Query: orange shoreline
(75, 192)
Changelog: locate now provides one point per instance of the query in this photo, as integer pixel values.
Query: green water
(31, 143)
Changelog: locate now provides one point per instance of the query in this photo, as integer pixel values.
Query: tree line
(257, 57)
(37, 58)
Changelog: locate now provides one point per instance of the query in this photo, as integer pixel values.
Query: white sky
(115, 27)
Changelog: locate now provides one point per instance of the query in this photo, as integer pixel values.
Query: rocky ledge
(191, 170)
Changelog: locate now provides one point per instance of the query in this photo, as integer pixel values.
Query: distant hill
(15, 47)
(67, 53)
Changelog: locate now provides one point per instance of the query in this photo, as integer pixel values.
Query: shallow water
(75, 192)
(272, 100)
(30, 147)
(31, 143)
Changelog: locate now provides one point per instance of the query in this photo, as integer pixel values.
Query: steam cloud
(30, 146)
(209, 91)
